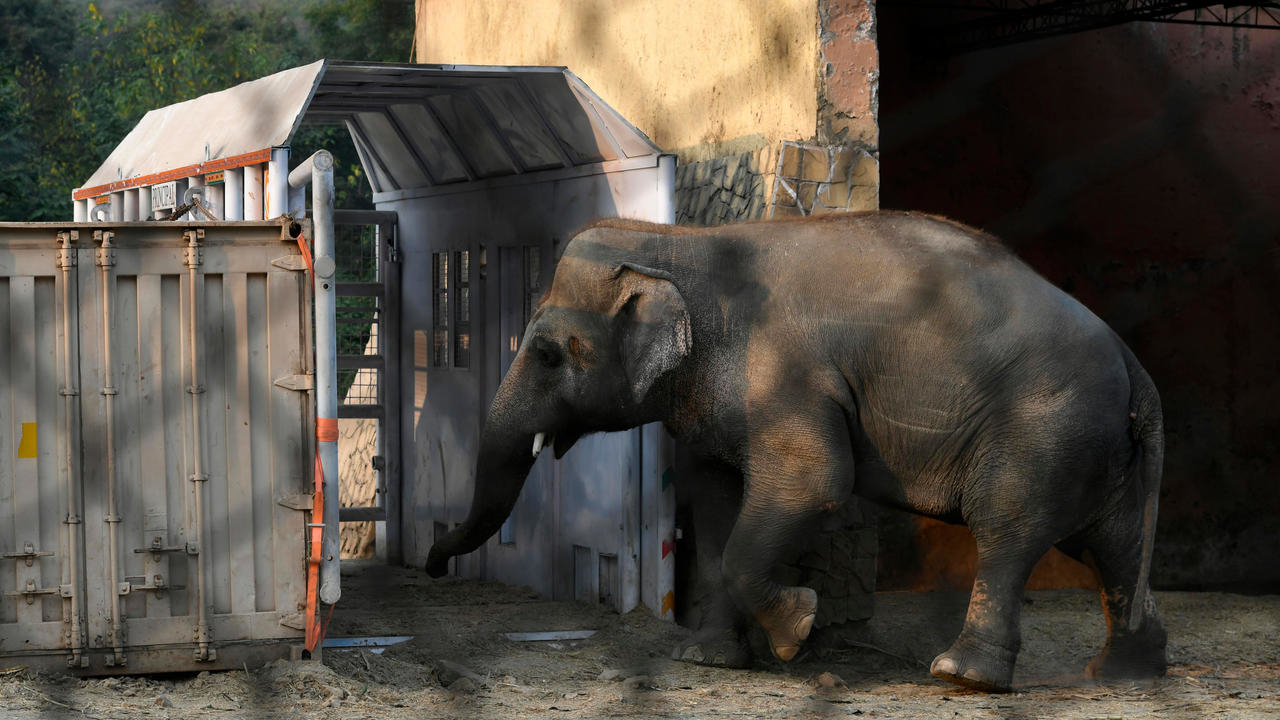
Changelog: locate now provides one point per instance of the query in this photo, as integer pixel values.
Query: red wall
(1137, 167)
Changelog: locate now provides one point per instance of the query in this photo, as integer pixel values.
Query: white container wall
(184, 549)
(589, 526)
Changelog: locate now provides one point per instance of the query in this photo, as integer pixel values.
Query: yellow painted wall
(700, 77)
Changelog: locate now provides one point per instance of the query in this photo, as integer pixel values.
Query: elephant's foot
(1132, 656)
(718, 647)
(788, 622)
(976, 664)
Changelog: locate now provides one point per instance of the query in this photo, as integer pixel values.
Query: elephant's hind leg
(983, 656)
(1130, 652)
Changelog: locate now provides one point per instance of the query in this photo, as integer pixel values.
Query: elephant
(900, 357)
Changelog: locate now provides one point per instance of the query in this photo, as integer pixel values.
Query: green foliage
(73, 83)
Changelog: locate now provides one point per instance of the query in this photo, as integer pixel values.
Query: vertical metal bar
(192, 256)
(277, 183)
(326, 367)
(253, 205)
(318, 169)
(389, 337)
(233, 194)
(105, 261)
(144, 203)
(71, 569)
(665, 203)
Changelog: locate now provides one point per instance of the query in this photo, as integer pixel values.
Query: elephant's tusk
(537, 443)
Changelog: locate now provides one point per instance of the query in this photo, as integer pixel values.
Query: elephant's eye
(547, 352)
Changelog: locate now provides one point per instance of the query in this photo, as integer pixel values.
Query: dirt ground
(1224, 653)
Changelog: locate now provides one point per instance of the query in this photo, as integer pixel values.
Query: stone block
(792, 156)
(786, 211)
(807, 194)
(784, 197)
(864, 197)
(816, 166)
(834, 195)
(866, 171)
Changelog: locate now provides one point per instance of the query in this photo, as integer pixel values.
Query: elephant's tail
(1147, 430)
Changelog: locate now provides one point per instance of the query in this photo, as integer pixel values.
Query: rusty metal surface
(149, 462)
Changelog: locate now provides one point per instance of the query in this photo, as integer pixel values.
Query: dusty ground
(1224, 654)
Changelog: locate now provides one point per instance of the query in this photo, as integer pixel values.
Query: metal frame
(981, 24)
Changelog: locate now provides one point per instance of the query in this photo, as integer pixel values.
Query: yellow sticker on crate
(27, 446)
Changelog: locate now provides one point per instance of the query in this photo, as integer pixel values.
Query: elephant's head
(592, 359)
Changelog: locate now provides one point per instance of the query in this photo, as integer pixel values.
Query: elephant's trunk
(506, 454)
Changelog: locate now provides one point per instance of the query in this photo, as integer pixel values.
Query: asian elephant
(900, 357)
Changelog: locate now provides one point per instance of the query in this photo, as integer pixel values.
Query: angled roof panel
(414, 125)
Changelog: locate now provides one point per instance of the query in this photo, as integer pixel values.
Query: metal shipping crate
(156, 445)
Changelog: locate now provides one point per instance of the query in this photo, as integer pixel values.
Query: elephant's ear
(654, 334)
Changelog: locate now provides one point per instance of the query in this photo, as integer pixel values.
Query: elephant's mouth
(560, 441)
(539, 441)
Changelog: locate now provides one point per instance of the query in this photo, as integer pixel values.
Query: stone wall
(789, 179)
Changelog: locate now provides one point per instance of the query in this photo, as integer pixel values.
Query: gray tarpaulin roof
(415, 126)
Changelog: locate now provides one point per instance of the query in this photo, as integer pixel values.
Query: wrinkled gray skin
(907, 359)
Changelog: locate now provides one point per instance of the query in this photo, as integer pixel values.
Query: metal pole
(253, 192)
(130, 205)
(106, 259)
(194, 335)
(666, 201)
(70, 403)
(278, 183)
(144, 203)
(233, 194)
(318, 169)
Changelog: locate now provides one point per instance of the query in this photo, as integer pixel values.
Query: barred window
(440, 313)
(462, 310)
(532, 281)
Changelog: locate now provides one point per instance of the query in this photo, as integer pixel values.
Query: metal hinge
(297, 501)
(29, 553)
(157, 585)
(158, 547)
(299, 383)
(294, 620)
(30, 591)
(290, 262)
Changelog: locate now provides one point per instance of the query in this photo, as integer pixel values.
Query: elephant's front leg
(798, 468)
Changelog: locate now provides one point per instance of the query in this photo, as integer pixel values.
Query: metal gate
(155, 445)
(369, 375)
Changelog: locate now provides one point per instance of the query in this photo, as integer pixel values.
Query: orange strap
(306, 255)
(326, 431)
(314, 632)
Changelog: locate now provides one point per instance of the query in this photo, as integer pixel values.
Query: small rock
(333, 703)
(636, 682)
(463, 686)
(830, 680)
(129, 692)
(570, 695)
(163, 701)
(612, 675)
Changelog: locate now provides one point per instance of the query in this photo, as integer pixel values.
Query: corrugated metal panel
(238, 524)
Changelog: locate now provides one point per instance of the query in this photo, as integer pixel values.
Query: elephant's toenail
(786, 652)
(692, 653)
(803, 626)
(944, 666)
(973, 674)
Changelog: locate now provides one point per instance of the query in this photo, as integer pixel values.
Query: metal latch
(157, 585)
(299, 383)
(29, 553)
(296, 501)
(157, 546)
(294, 620)
(31, 591)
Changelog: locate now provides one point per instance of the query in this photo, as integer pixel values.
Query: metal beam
(980, 24)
